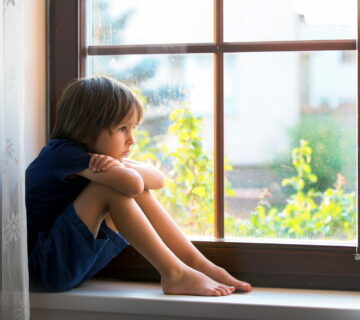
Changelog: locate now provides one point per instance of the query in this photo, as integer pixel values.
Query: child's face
(118, 143)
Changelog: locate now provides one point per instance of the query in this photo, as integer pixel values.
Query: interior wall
(35, 78)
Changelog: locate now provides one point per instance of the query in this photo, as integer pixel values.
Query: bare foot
(220, 274)
(193, 282)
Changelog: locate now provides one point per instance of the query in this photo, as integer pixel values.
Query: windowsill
(132, 300)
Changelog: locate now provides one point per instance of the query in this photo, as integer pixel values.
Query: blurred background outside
(273, 100)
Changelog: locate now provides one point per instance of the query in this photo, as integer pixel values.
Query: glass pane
(290, 141)
(271, 20)
(177, 131)
(117, 22)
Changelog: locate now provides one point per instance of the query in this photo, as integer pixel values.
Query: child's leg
(177, 278)
(180, 245)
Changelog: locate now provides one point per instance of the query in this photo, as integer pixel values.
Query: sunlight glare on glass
(277, 20)
(322, 12)
(157, 21)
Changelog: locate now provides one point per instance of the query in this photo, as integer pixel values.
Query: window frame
(262, 264)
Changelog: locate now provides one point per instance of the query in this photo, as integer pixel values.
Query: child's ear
(86, 142)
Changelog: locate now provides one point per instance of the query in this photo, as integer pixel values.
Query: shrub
(189, 190)
(332, 135)
(307, 214)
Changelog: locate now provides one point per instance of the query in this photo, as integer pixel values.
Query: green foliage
(308, 214)
(189, 189)
(188, 194)
(332, 137)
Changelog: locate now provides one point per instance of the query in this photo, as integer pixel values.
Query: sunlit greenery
(189, 186)
(332, 136)
(307, 214)
(189, 190)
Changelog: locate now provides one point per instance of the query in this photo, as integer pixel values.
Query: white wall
(35, 92)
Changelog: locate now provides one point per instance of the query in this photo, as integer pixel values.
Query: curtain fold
(14, 271)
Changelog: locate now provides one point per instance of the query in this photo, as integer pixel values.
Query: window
(257, 85)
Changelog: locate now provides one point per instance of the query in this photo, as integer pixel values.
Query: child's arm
(153, 178)
(111, 172)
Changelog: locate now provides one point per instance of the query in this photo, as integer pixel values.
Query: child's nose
(131, 138)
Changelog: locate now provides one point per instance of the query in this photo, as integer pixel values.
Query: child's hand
(101, 162)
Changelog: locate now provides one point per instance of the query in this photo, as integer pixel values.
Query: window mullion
(82, 38)
(219, 121)
(303, 45)
(183, 48)
(172, 48)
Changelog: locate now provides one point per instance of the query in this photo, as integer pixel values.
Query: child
(84, 197)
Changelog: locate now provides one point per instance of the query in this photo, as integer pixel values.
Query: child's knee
(96, 199)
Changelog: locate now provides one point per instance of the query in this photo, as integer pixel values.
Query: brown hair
(90, 105)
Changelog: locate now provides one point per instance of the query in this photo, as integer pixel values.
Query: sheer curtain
(14, 273)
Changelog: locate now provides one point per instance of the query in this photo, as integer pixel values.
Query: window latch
(357, 255)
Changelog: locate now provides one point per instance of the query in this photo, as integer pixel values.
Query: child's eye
(122, 129)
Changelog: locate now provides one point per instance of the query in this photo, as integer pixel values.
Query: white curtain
(14, 272)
